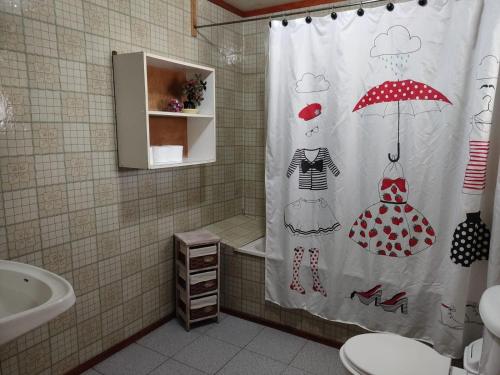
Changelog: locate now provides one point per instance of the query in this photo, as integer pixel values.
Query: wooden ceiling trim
(228, 7)
(273, 9)
(288, 6)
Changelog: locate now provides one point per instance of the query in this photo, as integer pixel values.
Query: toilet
(391, 354)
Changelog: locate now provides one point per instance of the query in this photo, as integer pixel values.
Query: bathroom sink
(29, 297)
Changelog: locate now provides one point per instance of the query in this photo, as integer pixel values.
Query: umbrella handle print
(393, 158)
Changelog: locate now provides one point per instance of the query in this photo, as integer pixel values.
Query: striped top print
(475, 174)
(312, 173)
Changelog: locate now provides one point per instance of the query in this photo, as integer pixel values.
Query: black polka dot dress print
(471, 241)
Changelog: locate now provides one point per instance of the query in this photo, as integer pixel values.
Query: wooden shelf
(143, 84)
(185, 162)
(178, 114)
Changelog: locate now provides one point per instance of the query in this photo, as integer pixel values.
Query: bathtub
(256, 248)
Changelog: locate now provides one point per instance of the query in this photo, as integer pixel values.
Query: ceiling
(251, 8)
(246, 5)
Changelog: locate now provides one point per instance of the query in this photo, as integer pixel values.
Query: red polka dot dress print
(393, 227)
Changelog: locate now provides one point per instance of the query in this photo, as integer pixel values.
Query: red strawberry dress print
(393, 227)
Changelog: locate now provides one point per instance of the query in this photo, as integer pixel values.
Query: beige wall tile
(69, 13)
(58, 259)
(82, 224)
(111, 295)
(11, 32)
(35, 359)
(52, 200)
(86, 279)
(65, 204)
(89, 331)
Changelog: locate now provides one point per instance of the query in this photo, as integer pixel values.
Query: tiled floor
(231, 347)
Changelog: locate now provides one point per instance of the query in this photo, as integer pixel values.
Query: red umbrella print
(403, 97)
(309, 113)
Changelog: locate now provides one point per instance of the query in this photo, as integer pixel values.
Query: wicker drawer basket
(203, 282)
(201, 307)
(200, 283)
(203, 257)
(197, 258)
(203, 262)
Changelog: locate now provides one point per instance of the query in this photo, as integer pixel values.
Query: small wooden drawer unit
(197, 260)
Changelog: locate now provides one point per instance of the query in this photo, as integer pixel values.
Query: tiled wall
(64, 204)
(254, 46)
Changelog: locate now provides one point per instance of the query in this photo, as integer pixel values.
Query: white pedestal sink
(29, 297)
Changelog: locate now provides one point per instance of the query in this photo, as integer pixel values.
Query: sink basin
(29, 297)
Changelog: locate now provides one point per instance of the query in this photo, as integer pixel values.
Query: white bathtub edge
(255, 253)
(249, 250)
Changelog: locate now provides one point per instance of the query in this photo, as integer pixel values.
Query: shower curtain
(381, 167)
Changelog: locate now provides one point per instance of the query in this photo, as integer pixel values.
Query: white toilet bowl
(389, 354)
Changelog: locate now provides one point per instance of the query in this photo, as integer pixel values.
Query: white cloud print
(396, 41)
(311, 83)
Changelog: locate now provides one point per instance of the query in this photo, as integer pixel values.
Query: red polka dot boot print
(393, 227)
(297, 260)
(317, 287)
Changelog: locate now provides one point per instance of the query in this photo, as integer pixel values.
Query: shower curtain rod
(287, 14)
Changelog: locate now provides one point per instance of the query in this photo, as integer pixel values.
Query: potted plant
(193, 91)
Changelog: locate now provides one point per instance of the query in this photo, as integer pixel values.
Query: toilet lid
(389, 354)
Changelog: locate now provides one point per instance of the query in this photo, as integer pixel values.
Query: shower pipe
(333, 8)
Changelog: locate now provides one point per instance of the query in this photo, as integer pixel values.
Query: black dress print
(312, 173)
(471, 241)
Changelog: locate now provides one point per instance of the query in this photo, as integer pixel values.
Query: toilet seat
(389, 354)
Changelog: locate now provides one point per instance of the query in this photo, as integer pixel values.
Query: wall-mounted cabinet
(144, 83)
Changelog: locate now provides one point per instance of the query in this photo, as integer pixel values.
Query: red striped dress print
(475, 173)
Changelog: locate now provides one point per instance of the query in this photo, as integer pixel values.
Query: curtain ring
(308, 18)
(284, 22)
(333, 14)
(270, 24)
(390, 6)
(422, 3)
(361, 11)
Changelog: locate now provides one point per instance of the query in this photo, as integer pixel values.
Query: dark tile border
(282, 327)
(121, 345)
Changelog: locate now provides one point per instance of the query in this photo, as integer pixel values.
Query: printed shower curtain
(381, 167)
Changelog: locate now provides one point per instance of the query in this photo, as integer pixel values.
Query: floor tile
(90, 372)
(169, 339)
(207, 354)
(172, 367)
(235, 331)
(249, 363)
(317, 359)
(133, 360)
(294, 371)
(277, 345)
(203, 327)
